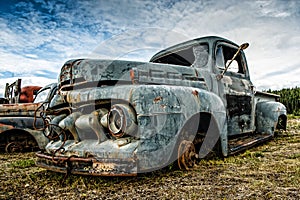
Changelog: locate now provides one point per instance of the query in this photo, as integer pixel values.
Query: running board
(239, 144)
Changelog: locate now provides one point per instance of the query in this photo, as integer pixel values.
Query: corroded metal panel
(27, 109)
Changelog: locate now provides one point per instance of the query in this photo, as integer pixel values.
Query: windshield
(42, 96)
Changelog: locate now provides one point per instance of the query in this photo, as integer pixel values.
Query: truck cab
(224, 67)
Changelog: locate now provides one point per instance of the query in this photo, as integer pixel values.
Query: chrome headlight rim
(121, 120)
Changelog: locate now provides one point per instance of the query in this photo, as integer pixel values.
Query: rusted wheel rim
(13, 147)
(186, 155)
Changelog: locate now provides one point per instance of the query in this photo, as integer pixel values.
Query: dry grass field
(268, 171)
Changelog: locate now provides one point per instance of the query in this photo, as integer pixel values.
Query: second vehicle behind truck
(19, 123)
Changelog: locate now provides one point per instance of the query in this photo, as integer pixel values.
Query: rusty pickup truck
(192, 100)
(21, 123)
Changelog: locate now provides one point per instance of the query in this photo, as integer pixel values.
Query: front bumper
(88, 166)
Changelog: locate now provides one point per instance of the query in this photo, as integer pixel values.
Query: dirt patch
(269, 171)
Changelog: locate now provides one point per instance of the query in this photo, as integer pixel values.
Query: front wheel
(187, 155)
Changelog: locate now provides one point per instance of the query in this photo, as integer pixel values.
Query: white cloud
(147, 41)
(16, 63)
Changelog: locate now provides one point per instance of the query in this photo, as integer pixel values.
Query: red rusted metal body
(15, 94)
(28, 93)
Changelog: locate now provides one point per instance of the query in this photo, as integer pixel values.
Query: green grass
(268, 171)
(22, 163)
(291, 116)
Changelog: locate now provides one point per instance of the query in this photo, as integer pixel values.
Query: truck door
(235, 89)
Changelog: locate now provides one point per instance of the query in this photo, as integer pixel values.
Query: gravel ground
(269, 171)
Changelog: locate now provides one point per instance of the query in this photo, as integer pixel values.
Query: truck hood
(111, 72)
(22, 109)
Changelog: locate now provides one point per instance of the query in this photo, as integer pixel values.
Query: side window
(234, 66)
(194, 55)
(224, 55)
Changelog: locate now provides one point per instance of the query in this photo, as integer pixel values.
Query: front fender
(163, 111)
(167, 108)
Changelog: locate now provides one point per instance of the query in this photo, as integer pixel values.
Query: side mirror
(244, 46)
(241, 47)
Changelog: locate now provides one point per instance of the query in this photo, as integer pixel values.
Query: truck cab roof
(184, 45)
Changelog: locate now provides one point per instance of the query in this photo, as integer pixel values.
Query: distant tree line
(290, 97)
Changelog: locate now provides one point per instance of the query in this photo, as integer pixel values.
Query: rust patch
(22, 106)
(157, 99)
(163, 106)
(101, 166)
(195, 92)
(5, 127)
(93, 166)
(132, 76)
(18, 109)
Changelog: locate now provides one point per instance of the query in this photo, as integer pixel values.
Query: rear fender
(268, 114)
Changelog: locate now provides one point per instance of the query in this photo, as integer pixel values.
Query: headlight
(122, 121)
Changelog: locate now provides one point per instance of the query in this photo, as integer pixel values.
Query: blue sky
(38, 36)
